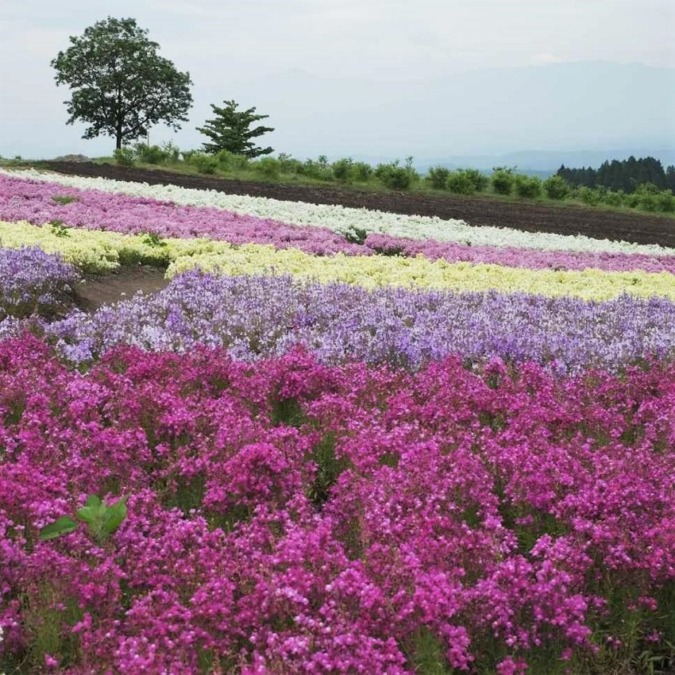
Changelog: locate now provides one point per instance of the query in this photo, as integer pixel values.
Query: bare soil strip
(480, 211)
(95, 291)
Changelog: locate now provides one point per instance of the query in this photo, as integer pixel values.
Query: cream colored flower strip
(98, 251)
(343, 220)
(376, 271)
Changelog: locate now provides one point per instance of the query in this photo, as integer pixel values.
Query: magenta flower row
(293, 517)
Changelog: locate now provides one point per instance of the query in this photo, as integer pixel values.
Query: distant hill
(573, 113)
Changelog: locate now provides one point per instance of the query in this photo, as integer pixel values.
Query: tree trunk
(118, 146)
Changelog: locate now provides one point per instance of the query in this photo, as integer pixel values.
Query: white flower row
(343, 220)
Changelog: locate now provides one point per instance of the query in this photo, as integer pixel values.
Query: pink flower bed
(288, 516)
(22, 199)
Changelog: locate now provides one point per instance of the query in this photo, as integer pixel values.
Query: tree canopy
(120, 85)
(230, 130)
(624, 175)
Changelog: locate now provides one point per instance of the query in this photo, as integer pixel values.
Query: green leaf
(92, 511)
(63, 525)
(114, 517)
(93, 500)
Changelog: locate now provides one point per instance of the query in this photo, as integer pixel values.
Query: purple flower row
(34, 282)
(259, 317)
(39, 202)
(291, 517)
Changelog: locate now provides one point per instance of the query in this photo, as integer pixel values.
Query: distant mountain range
(574, 113)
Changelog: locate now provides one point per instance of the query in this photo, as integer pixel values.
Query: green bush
(319, 169)
(588, 196)
(666, 201)
(478, 178)
(648, 196)
(528, 187)
(268, 167)
(437, 177)
(614, 198)
(361, 172)
(460, 183)
(394, 176)
(124, 156)
(342, 169)
(150, 154)
(207, 164)
(556, 187)
(502, 180)
(228, 161)
(289, 165)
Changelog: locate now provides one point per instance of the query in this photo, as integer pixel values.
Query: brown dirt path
(527, 216)
(95, 291)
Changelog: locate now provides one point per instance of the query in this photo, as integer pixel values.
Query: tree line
(626, 175)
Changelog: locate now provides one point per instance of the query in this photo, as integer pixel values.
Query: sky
(363, 49)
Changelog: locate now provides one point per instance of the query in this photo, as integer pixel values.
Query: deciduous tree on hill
(230, 130)
(121, 86)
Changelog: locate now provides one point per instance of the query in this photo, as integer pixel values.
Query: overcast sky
(226, 44)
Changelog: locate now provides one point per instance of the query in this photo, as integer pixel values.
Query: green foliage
(467, 181)
(588, 196)
(102, 520)
(289, 165)
(206, 164)
(153, 239)
(503, 180)
(528, 187)
(478, 178)
(65, 199)
(356, 235)
(154, 154)
(319, 169)
(437, 177)
(396, 177)
(59, 229)
(556, 187)
(268, 167)
(230, 130)
(626, 175)
(228, 161)
(361, 172)
(615, 198)
(666, 201)
(342, 169)
(428, 654)
(124, 156)
(120, 85)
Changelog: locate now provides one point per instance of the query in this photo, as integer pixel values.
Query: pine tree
(230, 130)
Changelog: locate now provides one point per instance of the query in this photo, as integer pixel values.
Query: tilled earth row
(481, 211)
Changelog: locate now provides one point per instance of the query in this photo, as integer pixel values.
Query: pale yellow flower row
(101, 251)
(419, 272)
(98, 251)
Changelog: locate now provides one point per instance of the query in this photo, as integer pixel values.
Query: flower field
(339, 441)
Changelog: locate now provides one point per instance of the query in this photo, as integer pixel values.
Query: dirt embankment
(530, 217)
